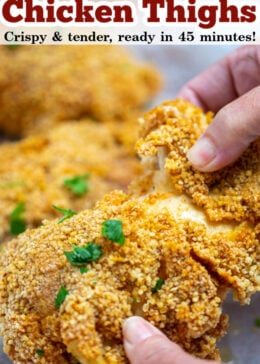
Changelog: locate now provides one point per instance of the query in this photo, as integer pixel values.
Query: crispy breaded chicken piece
(174, 267)
(33, 171)
(43, 85)
(168, 132)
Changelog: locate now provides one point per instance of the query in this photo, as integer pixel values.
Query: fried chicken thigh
(34, 171)
(45, 85)
(188, 238)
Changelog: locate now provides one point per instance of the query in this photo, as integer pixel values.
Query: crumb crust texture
(199, 260)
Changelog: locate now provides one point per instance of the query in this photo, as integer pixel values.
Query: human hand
(144, 344)
(231, 89)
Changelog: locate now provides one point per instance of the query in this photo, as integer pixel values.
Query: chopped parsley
(135, 299)
(84, 254)
(113, 230)
(17, 222)
(12, 46)
(61, 295)
(12, 184)
(67, 213)
(158, 285)
(39, 352)
(257, 322)
(83, 270)
(78, 184)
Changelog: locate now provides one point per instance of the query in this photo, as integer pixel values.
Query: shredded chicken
(44, 85)
(231, 194)
(169, 235)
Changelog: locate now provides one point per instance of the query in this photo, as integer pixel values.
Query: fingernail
(136, 330)
(202, 153)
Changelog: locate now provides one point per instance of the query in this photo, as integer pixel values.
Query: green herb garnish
(61, 295)
(84, 254)
(83, 270)
(39, 352)
(135, 299)
(12, 184)
(13, 46)
(78, 184)
(257, 322)
(113, 230)
(67, 213)
(17, 222)
(158, 285)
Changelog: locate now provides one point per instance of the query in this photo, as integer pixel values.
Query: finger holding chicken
(155, 251)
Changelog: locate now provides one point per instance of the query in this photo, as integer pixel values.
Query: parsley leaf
(61, 295)
(78, 184)
(113, 230)
(84, 254)
(67, 213)
(257, 322)
(158, 285)
(83, 270)
(12, 184)
(12, 46)
(39, 352)
(17, 222)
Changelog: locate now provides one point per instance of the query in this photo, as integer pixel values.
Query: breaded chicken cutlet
(168, 132)
(45, 170)
(156, 252)
(43, 85)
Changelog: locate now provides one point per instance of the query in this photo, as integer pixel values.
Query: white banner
(129, 22)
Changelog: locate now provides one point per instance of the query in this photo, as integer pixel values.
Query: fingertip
(188, 94)
(145, 344)
(136, 329)
(135, 332)
(202, 154)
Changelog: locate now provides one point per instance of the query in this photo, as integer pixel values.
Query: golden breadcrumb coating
(33, 171)
(230, 194)
(188, 306)
(41, 85)
(168, 239)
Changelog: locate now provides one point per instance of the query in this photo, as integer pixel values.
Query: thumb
(144, 344)
(234, 127)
